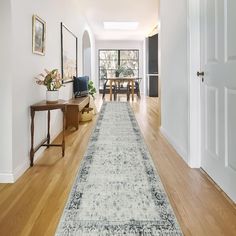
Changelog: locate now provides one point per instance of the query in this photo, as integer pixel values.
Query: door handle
(200, 73)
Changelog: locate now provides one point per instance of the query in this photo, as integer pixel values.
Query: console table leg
(32, 113)
(63, 131)
(48, 135)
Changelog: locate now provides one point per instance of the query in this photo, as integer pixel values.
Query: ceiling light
(117, 25)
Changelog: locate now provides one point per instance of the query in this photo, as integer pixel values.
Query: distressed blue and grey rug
(117, 190)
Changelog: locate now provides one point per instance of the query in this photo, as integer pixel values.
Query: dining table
(129, 80)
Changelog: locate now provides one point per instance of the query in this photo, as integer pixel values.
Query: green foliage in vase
(51, 80)
(124, 71)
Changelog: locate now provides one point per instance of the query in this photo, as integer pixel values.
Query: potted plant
(92, 91)
(124, 70)
(91, 88)
(53, 82)
(128, 72)
(119, 70)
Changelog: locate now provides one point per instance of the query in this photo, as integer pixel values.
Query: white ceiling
(143, 11)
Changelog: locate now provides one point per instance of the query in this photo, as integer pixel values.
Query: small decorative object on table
(124, 71)
(52, 80)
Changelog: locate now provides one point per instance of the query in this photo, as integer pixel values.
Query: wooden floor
(34, 204)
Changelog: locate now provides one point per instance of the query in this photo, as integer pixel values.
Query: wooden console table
(44, 106)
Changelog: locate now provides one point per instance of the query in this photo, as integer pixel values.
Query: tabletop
(44, 105)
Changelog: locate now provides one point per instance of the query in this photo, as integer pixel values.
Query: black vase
(117, 74)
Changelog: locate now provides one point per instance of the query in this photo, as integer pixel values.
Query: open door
(218, 92)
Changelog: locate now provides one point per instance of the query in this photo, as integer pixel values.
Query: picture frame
(69, 54)
(38, 35)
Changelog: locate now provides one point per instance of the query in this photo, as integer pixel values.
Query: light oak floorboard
(33, 205)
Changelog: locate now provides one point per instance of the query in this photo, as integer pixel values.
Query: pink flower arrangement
(52, 80)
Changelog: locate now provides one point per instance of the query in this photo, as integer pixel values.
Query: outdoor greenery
(113, 63)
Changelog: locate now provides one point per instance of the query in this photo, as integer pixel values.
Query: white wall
(194, 155)
(27, 65)
(122, 44)
(174, 74)
(5, 92)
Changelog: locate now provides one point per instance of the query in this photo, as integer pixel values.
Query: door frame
(194, 99)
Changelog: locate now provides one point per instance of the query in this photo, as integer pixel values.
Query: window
(111, 60)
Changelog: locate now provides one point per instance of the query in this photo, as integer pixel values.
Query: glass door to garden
(114, 63)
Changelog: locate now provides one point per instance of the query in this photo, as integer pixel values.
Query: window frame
(118, 59)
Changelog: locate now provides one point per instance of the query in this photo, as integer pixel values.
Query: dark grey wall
(153, 54)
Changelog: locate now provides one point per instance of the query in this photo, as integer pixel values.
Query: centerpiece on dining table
(124, 71)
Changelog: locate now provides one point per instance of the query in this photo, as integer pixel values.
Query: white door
(218, 92)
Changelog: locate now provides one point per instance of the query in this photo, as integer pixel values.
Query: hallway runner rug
(117, 190)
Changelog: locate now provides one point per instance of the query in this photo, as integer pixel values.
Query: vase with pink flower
(53, 82)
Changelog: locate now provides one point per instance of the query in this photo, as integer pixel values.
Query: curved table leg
(32, 113)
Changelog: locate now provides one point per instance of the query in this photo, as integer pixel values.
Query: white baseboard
(20, 170)
(174, 144)
(6, 178)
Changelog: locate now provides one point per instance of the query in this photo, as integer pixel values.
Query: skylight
(117, 25)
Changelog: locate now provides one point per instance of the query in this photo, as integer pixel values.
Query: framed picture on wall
(69, 54)
(39, 35)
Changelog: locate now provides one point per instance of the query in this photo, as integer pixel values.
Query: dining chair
(136, 87)
(106, 86)
(123, 87)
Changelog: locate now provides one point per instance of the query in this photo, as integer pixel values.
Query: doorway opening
(86, 54)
